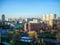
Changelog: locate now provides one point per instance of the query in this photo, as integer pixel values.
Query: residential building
(34, 26)
(49, 18)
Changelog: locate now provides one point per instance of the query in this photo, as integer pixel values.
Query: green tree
(58, 32)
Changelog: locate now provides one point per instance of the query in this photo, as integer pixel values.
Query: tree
(58, 32)
(32, 34)
(58, 37)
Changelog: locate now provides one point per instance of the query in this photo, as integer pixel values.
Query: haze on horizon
(29, 8)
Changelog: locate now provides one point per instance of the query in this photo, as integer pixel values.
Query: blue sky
(29, 8)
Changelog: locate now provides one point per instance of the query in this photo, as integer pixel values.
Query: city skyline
(29, 8)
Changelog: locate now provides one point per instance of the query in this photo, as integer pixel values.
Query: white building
(20, 20)
(35, 20)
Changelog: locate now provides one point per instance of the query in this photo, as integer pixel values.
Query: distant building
(58, 20)
(29, 19)
(6, 19)
(0, 17)
(3, 17)
(32, 20)
(35, 20)
(20, 20)
(49, 18)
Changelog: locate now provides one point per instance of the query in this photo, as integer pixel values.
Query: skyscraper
(3, 17)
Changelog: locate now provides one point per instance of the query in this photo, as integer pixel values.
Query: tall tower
(52, 19)
(3, 17)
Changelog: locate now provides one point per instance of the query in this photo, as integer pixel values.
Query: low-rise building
(34, 26)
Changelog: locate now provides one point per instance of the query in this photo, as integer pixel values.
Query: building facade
(49, 18)
(3, 17)
(34, 26)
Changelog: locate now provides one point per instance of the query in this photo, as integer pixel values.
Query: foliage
(58, 26)
(58, 36)
(32, 34)
(47, 35)
(12, 42)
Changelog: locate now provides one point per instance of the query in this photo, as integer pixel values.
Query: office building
(3, 17)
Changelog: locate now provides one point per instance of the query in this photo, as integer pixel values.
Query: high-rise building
(3, 17)
(49, 18)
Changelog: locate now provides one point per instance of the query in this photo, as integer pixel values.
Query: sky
(29, 8)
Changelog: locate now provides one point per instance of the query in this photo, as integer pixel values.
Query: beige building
(49, 18)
